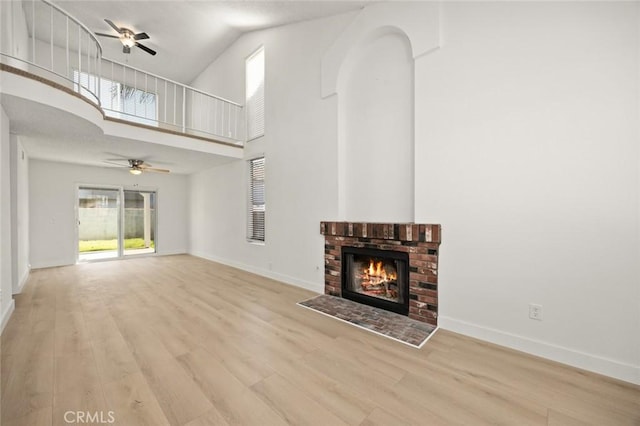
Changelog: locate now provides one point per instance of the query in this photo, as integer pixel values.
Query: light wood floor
(178, 340)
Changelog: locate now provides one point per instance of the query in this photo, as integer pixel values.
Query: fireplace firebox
(376, 277)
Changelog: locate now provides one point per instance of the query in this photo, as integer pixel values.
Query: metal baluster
(203, 112)
(208, 116)
(184, 109)
(222, 107)
(121, 94)
(175, 100)
(33, 31)
(156, 94)
(112, 86)
(146, 91)
(186, 120)
(222, 119)
(79, 61)
(88, 65)
(231, 119)
(51, 34)
(235, 123)
(99, 79)
(135, 92)
(69, 73)
(215, 116)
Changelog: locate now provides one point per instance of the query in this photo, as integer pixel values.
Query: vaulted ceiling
(189, 35)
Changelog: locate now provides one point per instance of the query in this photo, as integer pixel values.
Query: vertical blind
(255, 94)
(256, 200)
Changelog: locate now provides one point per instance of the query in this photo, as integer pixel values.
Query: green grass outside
(100, 245)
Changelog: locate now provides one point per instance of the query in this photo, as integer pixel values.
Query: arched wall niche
(375, 125)
(371, 69)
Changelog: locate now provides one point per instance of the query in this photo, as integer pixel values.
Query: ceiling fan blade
(141, 36)
(107, 35)
(112, 25)
(146, 49)
(115, 164)
(153, 169)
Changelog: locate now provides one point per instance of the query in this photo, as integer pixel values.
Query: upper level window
(120, 100)
(255, 94)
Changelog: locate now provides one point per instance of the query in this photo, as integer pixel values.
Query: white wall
(527, 143)
(299, 145)
(526, 152)
(52, 199)
(14, 37)
(375, 125)
(19, 214)
(6, 301)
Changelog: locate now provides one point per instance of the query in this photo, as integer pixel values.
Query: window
(119, 100)
(255, 94)
(256, 211)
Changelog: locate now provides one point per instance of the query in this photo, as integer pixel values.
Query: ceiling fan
(136, 167)
(128, 38)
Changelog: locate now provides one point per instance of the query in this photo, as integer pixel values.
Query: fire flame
(378, 280)
(376, 270)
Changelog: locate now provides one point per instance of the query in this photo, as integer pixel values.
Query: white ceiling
(189, 35)
(60, 136)
(109, 152)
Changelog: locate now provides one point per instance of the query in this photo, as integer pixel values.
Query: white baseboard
(51, 264)
(605, 366)
(315, 287)
(7, 314)
(171, 252)
(23, 281)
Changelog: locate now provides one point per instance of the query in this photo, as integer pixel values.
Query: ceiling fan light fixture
(135, 171)
(128, 40)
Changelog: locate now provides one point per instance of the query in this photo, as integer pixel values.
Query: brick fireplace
(420, 241)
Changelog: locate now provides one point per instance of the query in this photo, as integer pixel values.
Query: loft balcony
(63, 54)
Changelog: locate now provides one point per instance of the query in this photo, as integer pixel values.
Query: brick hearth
(420, 241)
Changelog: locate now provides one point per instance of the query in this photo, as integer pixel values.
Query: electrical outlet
(535, 311)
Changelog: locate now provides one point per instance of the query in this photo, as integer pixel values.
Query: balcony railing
(46, 41)
(131, 94)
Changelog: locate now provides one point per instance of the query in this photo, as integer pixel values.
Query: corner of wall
(263, 272)
(6, 314)
(22, 281)
(6, 263)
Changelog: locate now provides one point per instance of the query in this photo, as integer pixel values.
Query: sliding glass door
(115, 222)
(98, 223)
(139, 222)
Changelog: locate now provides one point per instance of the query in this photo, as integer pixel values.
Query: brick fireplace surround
(420, 241)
